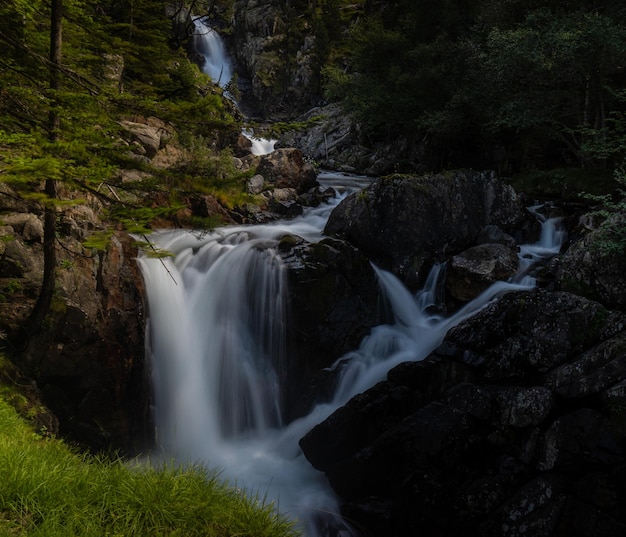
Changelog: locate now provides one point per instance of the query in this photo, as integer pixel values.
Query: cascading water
(260, 146)
(216, 335)
(209, 45)
(216, 64)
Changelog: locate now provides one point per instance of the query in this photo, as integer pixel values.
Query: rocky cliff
(88, 363)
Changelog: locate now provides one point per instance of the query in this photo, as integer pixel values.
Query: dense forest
(517, 84)
(508, 85)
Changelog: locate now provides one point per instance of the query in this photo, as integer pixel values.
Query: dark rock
(494, 235)
(597, 370)
(483, 436)
(474, 400)
(317, 195)
(272, 84)
(595, 267)
(522, 406)
(531, 333)
(335, 300)
(533, 510)
(287, 209)
(89, 361)
(429, 437)
(475, 269)
(582, 519)
(208, 206)
(581, 437)
(400, 221)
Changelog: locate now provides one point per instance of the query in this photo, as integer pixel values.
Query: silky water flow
(216, 63)
(216, 337)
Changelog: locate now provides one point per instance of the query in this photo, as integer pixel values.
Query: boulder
(334, 301)
(595, 266)
(595, 371)
(286, 168)
(149, 135)
(531, 333)
(19, 259)
(255, 184)
(494, 235)
(400, 222)
(28, 225)
(474, 270)
(207, 206)
(10, 201)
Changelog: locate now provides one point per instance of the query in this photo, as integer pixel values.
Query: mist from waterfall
(217, 319)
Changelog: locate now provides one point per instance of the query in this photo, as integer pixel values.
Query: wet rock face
(514, 426)
(93, 374)
(400, 222)
(87, 364)
(334, 300)
(271, 84)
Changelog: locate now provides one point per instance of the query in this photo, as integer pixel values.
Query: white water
(260, 146)
(209, 44)
(217, 64)
(216, 326)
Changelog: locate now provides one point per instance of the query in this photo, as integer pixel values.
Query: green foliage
(99, 240)
(205, 172)
(612, 230)
(47, 489)
(540, 79)
(13, 286)
(157, 80)
(568, 184)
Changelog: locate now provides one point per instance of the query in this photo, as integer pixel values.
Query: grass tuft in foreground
(47, 489)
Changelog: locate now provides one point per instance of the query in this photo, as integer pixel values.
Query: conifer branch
(75, 77)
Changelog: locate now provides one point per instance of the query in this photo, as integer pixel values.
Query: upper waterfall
(209, 44)
(216, 64)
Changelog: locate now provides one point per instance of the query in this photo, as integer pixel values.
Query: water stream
(217, 318)
(209, 45)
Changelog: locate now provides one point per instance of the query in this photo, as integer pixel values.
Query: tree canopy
(538, 79)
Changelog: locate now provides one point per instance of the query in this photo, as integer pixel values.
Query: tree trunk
(42, 306)
(56, 41)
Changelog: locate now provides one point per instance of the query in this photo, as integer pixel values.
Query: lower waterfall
(216, 336)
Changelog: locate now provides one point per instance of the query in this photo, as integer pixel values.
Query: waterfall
(216, 324)
(210, 46)
(260, 146)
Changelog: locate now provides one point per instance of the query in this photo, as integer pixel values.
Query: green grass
(47, 489)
